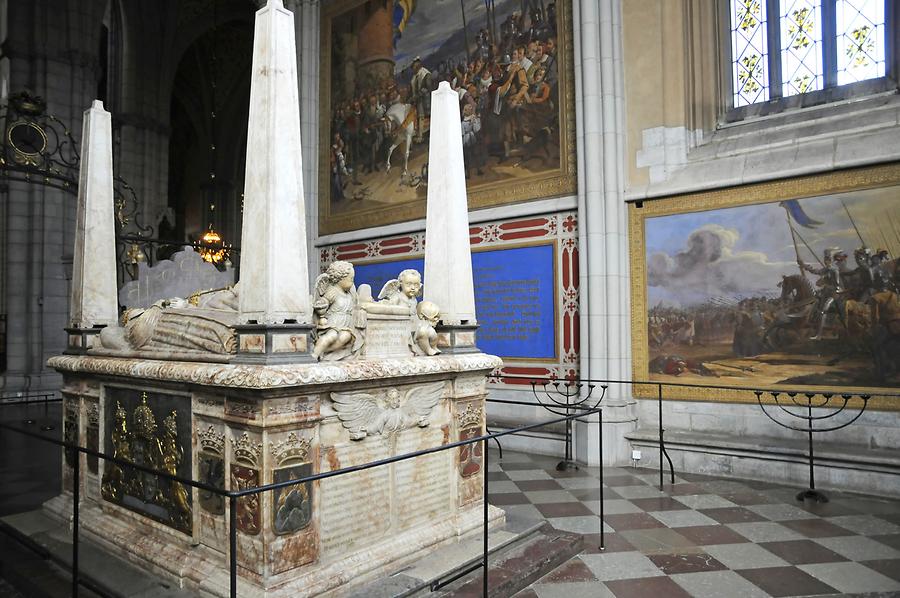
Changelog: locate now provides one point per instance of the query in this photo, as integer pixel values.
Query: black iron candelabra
(805, 421)
(562, 399)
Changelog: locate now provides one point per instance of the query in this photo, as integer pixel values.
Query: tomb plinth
(237, 426)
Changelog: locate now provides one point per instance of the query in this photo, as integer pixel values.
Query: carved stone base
(240, 426)
(205, 570)
(274, 343)
(457, 338)
(82, 339)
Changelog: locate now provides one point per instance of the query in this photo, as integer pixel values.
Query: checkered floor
(702, 536)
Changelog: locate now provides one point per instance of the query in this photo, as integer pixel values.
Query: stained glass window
(801, 46)
(782, 48)
(860, 40)
(749, 44)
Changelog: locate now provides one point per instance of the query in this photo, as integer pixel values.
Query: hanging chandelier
(211, 247)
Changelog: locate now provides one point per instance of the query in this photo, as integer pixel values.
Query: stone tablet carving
(182, 276)
(363, 413)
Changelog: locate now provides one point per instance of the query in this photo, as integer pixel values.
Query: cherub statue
(403, 290)
(424, 336)
(339, 321)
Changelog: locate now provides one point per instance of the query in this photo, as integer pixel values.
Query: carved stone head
(410, 283)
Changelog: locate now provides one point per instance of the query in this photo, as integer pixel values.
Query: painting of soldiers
(789, 292)
(384, 59)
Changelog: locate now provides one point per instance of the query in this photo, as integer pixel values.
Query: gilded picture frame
(842, 212)
(367, 200)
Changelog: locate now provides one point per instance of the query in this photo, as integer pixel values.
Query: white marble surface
(274, 260)
(448, 259)
(93, 300)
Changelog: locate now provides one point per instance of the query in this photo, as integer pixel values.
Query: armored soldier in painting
(831, 287)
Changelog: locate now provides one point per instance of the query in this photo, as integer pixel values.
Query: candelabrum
(562, 399)
(803, 420)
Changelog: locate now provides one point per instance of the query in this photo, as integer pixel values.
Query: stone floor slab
(745, 556)
(852, 577)
(621, 565)
(716, 584)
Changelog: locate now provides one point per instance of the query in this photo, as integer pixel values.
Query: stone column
(275, 309)
(448, 259)
(93, 301)
(605, 305)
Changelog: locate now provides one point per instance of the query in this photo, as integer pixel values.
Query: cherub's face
(393, 398)
(410, 286)
(346, 283)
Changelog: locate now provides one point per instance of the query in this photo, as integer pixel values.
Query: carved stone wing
(359, 412)
(389, 289)
(420, 400)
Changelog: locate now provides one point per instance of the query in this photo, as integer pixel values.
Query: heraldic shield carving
(149, 429)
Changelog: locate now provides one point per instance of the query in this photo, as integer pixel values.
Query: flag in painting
(796, 212)
(403, 10)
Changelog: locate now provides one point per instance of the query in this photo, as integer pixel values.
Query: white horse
(402, 120)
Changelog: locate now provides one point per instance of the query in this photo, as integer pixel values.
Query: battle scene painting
(789, 293)
(509, 62)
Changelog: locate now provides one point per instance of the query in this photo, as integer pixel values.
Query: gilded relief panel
(150, 429)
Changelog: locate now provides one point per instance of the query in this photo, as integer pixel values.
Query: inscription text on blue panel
(514, 298)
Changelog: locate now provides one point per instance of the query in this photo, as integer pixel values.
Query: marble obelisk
(93, 302)
(275, 306)
(448, 259)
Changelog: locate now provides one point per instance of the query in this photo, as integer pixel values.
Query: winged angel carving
(363, 413)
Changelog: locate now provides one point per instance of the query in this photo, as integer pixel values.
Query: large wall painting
(792, 284)
(510, 62)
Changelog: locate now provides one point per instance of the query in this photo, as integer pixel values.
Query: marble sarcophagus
(241, 426)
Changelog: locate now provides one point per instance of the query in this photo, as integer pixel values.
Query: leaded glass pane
(860, 40)
(801, 46)
(750, 73)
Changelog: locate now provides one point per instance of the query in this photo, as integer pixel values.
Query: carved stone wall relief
(388, 413)
(471, 456)
(246, 455)
(211, 467)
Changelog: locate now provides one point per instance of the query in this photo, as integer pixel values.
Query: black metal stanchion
(484, 556)
(232, 544)
(47, 427)
(662, 442)
(810, 427)
(76, 492)
(600, 462)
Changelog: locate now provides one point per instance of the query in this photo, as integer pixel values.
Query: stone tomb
(240, 426)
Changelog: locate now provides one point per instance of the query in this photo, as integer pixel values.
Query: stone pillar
(275, 309)
(603, 230)
(448, 259)
(93, 301)
(306, 26)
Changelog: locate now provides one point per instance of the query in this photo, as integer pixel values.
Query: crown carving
(470, 416)
(244, 449)
(211, 439)
(292, 448)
